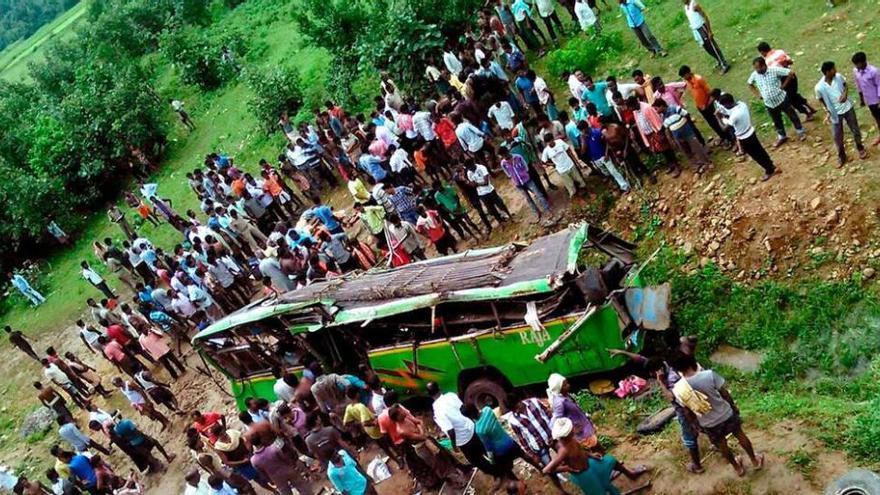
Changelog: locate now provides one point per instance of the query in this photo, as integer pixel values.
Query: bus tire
(855, 482)
(486, 392)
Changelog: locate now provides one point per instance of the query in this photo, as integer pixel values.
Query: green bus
(480, 322)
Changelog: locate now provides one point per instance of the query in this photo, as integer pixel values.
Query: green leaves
(275, 90)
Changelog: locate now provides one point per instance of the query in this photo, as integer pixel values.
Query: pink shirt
(114, 352)
(154, 344)
(672, 93)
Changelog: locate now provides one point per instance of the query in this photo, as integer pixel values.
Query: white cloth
(54, 374)
(503, 114)
(561, 428)
(558, 154)
(585, 15)
(423, 124)
(738, 117)
(545, 7)
(92, 276)
(283, 391)
(554, 385)
(453, 65)
(399, 160)
(448, 416)
(478, 174)
(469, 136)
(542, 90)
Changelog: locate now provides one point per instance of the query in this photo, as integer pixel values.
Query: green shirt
(374, 218)
(448, 199)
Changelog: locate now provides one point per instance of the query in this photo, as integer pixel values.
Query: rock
(832, 218)
(817, 250)
(688, 248)
(713, 246)
(704, 261)
(753, 181)
(868, 273)
(816, 202)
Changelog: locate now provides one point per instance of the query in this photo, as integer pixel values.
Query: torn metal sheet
(649, 306)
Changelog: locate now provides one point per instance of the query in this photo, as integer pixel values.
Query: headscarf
(562, 428)
(232, 444)
(554, 386)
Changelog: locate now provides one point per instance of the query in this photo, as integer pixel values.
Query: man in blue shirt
(25, 288)
(635, 19)
(525, 84)
(345, 475)
(325, 214)
(81, 469)
(594, 92)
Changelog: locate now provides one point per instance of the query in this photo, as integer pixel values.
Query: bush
(196, 53)
(863, 434)
(274, 91)
(584, 54)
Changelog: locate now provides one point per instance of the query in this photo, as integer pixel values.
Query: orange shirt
(272, 187)
(700, 90)
(421, 160)
(238, 187)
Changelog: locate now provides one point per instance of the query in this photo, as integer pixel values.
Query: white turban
(554, 385)
(562, 428)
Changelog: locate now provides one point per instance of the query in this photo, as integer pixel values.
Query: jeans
(752, 146)
(688, 435)
(837, 131)
(711, 46)
(35, 297)
(493, 202)
(530, 188)
(776, 116)
(571, 177)
(643, 33)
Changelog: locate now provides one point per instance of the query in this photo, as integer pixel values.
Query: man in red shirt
(203, 423)
(119, 356)
(430, 225)
(778, 58)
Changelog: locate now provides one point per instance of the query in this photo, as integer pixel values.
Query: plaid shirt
(770, 85)
(532, 428)
(403, 200)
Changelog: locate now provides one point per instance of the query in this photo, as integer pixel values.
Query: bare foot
(738, 467)
(759, 465)
(637, 471)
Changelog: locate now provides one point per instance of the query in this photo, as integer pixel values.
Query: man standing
(702, 95)
(76, 438)
(177, 106)
(18, 340)
(25, 288)
(276, 466)
(778, 58)
(708, 404)
(868, 82)
(633, 10)
(561, 155)
(51, 399)
(518, 171)
(698, 21)
(479, 176)
(737, 117)
(833, 92)
(54, 374)
(765, 84)
(459, 429)
(97, 280)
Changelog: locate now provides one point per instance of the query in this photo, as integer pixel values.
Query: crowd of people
(419, 174)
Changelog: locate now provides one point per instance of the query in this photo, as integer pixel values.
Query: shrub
(274, 91)
(584, 54)
(863, 434)
(196, 53)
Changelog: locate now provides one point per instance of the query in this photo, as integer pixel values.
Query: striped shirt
(532, 427)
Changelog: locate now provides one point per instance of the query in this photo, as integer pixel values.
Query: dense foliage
(275, 91)
(90, 107)
(366, 37)
(21, 18)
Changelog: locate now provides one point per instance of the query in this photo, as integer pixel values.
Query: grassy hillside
(15, 58)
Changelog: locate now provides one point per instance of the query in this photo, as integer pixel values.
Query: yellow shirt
(62, 469)
(360, 413)
(358, 190)
(456, 83)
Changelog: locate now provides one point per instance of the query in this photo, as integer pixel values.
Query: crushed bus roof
(502, 272)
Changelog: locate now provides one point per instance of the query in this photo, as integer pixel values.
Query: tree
(276, 90)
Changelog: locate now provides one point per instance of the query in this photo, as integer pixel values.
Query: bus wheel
(486, 392)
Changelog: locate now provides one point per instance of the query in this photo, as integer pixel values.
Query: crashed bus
(480, 322)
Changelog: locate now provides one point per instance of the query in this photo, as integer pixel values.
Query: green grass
(14, 58)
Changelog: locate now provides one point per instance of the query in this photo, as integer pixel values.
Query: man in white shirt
(833, 92)
(451, 61)
(503, 114)
(285, 387)
(736, 114)
(564, 161)
(401, 165)
(698, 21)
(547, 12)
(479, 176)
(97, 280)
(459, 429)
(469, 136)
